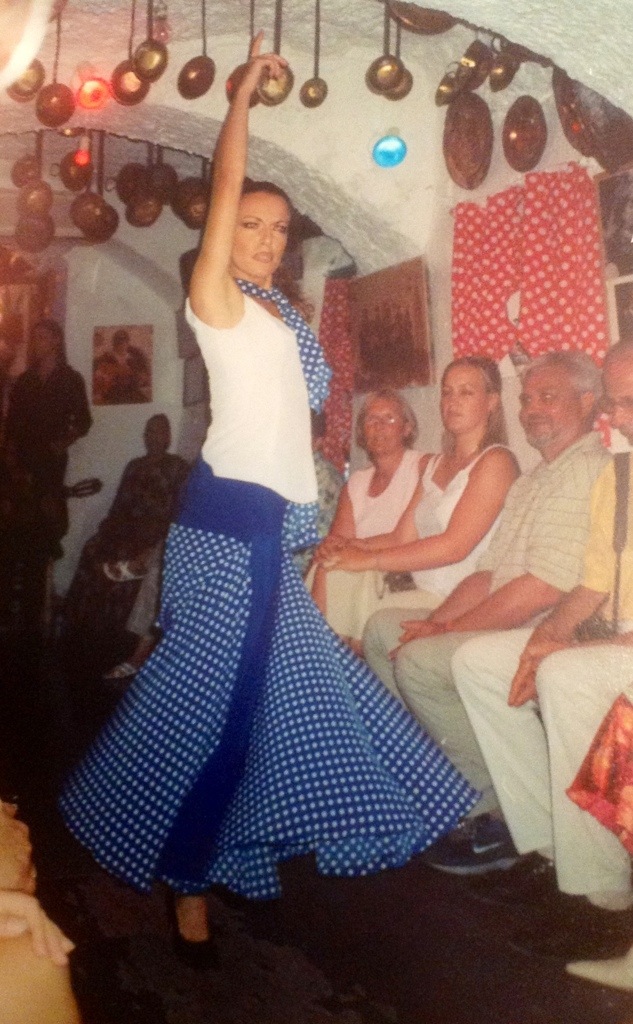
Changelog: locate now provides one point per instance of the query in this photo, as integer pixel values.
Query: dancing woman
(252, 734)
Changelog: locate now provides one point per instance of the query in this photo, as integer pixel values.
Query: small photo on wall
(122, 365)
(389, 327)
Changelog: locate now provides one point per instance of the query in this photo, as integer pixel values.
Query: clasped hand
(523, 687)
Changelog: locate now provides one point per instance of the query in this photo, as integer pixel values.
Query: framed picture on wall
(389, 327)
(615, 196)
(620, 306)
(122, 364)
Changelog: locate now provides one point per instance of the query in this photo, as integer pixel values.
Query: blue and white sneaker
(477, 845)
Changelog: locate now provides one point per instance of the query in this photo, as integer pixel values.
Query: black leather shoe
(530, 882)
(580, 932)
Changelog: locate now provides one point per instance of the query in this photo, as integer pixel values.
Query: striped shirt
(545, 522)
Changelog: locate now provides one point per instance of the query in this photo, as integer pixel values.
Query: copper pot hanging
(402, 89)
(143, 210)
(74, 176)
(25, 169)
(313, 92)
(95, 218)
(35, 198)
(196, 77)
(127, 88)
(273, 91)
(28, 84)
(150, 60)
(233, 82)
(55, 104)
(191, 201)
(162, 181)
(34, 232)
(384, 73)
(131, 178)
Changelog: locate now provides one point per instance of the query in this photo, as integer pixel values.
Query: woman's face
(385, 428)
(465, 404)
(260, 237)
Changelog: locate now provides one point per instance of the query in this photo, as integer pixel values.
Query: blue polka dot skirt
(253, 734)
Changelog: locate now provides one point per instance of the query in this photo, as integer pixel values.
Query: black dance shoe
(199, 956)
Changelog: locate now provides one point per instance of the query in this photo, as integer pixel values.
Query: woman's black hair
(269, 187)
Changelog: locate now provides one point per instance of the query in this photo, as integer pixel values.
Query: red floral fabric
(337, 345)
(604, 783)
(542, 240)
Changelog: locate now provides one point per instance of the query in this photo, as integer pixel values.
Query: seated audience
(452, 515)
(534, 557)
(374, 498)
(34, 975)
(120, 553)
(535, 702)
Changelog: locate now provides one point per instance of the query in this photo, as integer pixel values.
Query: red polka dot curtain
(541, 240)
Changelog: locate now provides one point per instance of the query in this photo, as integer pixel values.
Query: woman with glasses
(445, 527)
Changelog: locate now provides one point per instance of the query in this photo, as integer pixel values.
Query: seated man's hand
(16, 866)
(327, 547)
(523, 686)
(415, 629)
(20, 913)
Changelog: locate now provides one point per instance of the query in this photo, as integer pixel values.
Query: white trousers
(534, 752)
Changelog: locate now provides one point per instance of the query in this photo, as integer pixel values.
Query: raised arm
(214, 296)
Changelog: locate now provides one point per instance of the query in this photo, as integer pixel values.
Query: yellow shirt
(599, 572)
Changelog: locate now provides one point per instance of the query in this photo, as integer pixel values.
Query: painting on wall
(122, 365)
(615, 196)
(389, 327)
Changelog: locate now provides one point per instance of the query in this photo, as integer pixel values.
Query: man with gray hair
(534, 558)
(536, 700)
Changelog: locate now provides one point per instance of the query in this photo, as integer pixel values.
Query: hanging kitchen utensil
(29, 83)
(35, 228)
(198, 74)
(524, 134)
(406, 82)
(386, 72)
(76, 174)
(191, 200)
(163, 178)
(422, 20)
(468, 139)
(314, 90)
(131, 177)
(25, 170)
(55, 103)
(449, 87)
(127, 88)
(237, 74)
(593, 125)
(273, 91)
(144, 206)
(95, 218)
(506, 63)
(151, 56)
(475, 65)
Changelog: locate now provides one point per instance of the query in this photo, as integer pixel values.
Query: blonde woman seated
(373, 499)
(450, 519)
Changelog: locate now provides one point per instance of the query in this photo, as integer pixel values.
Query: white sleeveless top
(260, 430)
(432, 517)
(381, 514)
